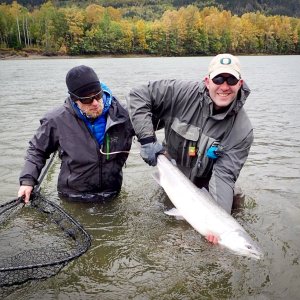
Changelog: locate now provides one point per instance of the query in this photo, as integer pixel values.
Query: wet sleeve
(226, 171)
(148, 102)
(40, 148)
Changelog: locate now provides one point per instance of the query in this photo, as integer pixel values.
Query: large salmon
(200, 210)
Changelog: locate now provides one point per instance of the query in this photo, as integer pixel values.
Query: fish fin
(156, 177)
(174, 212)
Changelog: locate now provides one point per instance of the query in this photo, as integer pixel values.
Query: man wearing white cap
(207, 131)
(223, 68)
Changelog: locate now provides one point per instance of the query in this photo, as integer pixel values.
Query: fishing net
(37, 240)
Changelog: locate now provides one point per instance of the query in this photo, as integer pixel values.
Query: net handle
(37, 188)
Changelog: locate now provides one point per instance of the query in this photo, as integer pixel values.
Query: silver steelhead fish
(202, 212)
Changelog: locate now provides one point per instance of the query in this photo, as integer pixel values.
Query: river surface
(137, 251)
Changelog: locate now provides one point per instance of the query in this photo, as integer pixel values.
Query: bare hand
(25, 192)
(212, 239)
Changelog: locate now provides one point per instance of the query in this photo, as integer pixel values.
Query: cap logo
(225, 61)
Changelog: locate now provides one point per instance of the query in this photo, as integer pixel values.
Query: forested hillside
(98, 30)
(155, 8)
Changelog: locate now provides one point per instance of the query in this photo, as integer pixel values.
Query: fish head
(241, 243)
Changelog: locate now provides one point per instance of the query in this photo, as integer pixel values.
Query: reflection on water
(137, 251)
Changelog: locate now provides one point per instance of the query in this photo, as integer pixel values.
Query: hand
(150, 151)
(25, 191)
(212, 239)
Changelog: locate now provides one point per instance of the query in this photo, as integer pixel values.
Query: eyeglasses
(88, 100)
(231, 80)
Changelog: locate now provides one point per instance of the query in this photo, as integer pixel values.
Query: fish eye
(249, 247)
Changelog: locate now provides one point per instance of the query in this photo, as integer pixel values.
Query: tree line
(102, 30)
(149, 9)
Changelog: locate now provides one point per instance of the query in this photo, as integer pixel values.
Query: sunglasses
(231, 80)
(88, 100)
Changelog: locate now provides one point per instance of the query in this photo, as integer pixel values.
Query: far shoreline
(8, 54)
(22, 55)
(35, 56)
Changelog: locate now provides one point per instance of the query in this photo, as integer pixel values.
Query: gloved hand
(150, 151)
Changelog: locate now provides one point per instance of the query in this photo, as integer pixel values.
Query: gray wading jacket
(85, 173)
(185, 110)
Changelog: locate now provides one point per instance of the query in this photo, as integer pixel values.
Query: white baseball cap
(224, 63)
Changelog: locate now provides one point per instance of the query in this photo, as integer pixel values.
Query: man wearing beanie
(207, 131)
(92, 134)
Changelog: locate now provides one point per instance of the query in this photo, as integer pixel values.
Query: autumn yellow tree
(191, 31)
(7, 23)
(217, 28)
(185, 31)
(169, 22)
(139, 30)
(94, 14)
(75, 20)
(48, 28)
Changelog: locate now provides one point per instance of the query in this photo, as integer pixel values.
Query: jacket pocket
(116, 146)
(204, 164)
(182, 142)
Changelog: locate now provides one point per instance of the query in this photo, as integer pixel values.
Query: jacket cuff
(27, 182)
(147, 140)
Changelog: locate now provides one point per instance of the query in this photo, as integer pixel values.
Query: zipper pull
(107, 146)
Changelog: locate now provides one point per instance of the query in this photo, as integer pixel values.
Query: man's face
(222, 94)
(93, 109)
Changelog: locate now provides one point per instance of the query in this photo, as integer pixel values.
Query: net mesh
(37, 241)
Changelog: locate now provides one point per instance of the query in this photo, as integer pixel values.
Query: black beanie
(82, 81)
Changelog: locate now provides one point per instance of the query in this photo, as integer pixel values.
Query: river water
(137, 251)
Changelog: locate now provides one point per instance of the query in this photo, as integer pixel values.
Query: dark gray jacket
(85, 173)
(185, 110)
